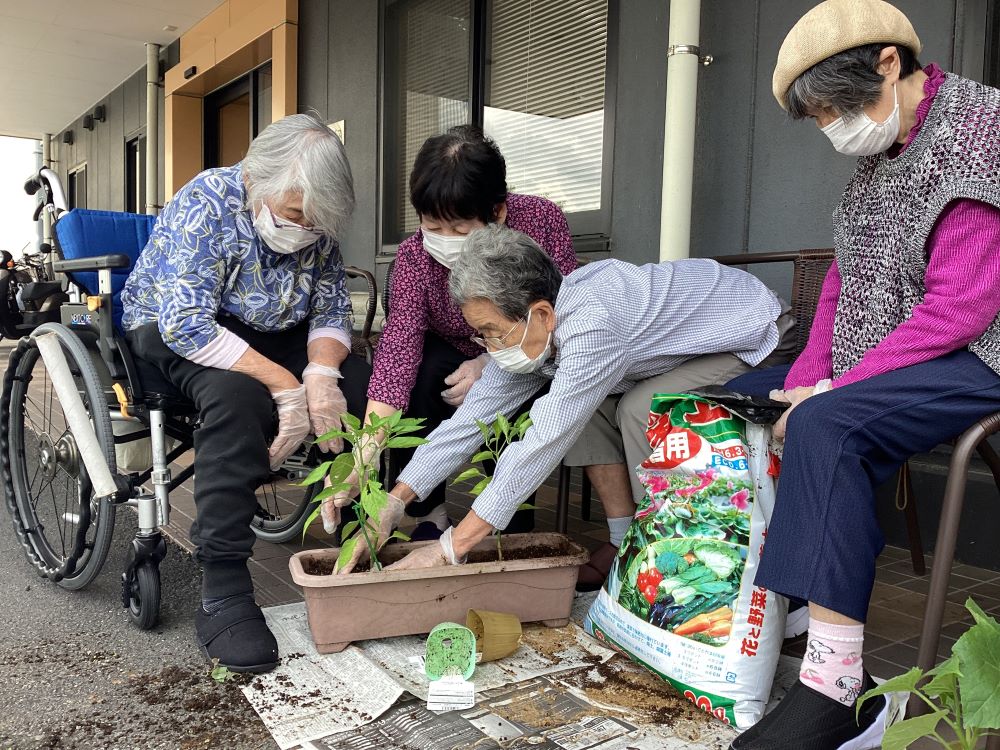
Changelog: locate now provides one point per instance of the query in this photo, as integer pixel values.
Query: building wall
(103, 148)
(339, 79)
(762, 181)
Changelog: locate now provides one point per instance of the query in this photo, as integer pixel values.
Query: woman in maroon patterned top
(425, 362)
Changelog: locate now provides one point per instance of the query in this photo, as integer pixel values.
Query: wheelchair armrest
(97, 263)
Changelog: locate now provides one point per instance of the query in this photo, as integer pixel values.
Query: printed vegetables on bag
(680, 597)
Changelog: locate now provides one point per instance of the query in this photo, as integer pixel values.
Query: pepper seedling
(392, 431)
(496, 438)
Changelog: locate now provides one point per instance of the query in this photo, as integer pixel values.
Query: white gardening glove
(366, 454)
(462, 380)
(435, 555)
(326, 403)
(293, 424)
(389, 519)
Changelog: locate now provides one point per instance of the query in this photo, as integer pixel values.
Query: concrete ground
(75, 674)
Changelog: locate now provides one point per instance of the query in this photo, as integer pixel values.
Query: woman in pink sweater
(426, 362)
(904, 351)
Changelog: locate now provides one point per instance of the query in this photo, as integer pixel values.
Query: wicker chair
(361, 341)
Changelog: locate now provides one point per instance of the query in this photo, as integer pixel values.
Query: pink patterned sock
(832, 664)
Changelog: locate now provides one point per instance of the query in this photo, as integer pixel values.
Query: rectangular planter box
(360, 606)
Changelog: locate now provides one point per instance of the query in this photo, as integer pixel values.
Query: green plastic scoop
(451, 650)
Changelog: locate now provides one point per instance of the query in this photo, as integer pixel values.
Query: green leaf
(405, 442)
(904, 733)
(483, 456)
(345, 553)
(309, 520)
(484, 429)
(475, 491)
(342, 467)
(467, 475)
(904, 683)
(944, 679)
(526, 506)
(978, 652)
(325, 493)
(351, 421)
(373, 503)
(317, 474)
(349, 528)
(221, 673)
(331, 435)
(399, 535)
(503, 424)
(405, 430)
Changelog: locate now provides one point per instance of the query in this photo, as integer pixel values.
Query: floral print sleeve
(330, 302)
(192, 258)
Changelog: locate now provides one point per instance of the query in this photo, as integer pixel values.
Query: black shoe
(237, 635)
(807, 719)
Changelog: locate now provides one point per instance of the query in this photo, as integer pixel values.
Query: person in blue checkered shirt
(602, 340)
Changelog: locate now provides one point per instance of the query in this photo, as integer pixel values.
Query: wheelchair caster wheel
(144, 596)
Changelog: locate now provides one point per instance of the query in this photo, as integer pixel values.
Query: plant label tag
(451, 693)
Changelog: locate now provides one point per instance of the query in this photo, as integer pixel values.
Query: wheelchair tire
(69, 543)
(144, 598)
(282, 505)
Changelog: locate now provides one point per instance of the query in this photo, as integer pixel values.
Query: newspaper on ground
(310, 695)
(543, 651)
(539, 713)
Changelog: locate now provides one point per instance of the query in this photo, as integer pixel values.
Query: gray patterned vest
(888, 211)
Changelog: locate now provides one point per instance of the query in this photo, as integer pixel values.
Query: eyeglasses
(495, 342)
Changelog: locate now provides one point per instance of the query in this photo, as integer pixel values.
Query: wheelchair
(86, 428)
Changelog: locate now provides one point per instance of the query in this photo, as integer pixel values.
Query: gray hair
(506, 268)
(846, 82)
(299, 154)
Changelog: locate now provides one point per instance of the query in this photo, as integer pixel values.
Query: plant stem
(499, 548)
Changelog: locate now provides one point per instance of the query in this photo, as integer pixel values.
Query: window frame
(73, 184)
(138, 171)
(591, 230)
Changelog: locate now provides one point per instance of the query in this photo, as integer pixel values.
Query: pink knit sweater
(962, 290)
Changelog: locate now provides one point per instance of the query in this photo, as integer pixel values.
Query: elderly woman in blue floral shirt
(239, 300)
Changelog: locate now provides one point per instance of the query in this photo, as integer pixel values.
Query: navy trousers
(840, 446)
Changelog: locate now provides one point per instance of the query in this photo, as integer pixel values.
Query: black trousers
(238, 422)
(440, 359)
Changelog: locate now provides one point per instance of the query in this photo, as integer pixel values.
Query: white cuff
(337, 334)
(222, 352)
(314, 368)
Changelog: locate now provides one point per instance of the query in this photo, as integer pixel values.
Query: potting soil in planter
(680, 598)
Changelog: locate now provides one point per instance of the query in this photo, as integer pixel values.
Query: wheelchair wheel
(282, 505)
(64, 530)
(144, 597)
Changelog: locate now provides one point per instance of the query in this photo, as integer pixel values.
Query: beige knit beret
(834, 26)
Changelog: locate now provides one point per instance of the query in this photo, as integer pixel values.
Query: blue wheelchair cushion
(85, 233)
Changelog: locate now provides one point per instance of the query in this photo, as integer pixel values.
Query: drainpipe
(152, 126)
(39, 163)
(683, 59)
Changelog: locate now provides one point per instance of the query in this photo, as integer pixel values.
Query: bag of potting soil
(680, 598)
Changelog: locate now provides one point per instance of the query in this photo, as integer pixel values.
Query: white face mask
(443, 248)
(513, 358)
(862, 136)
(286, 237)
